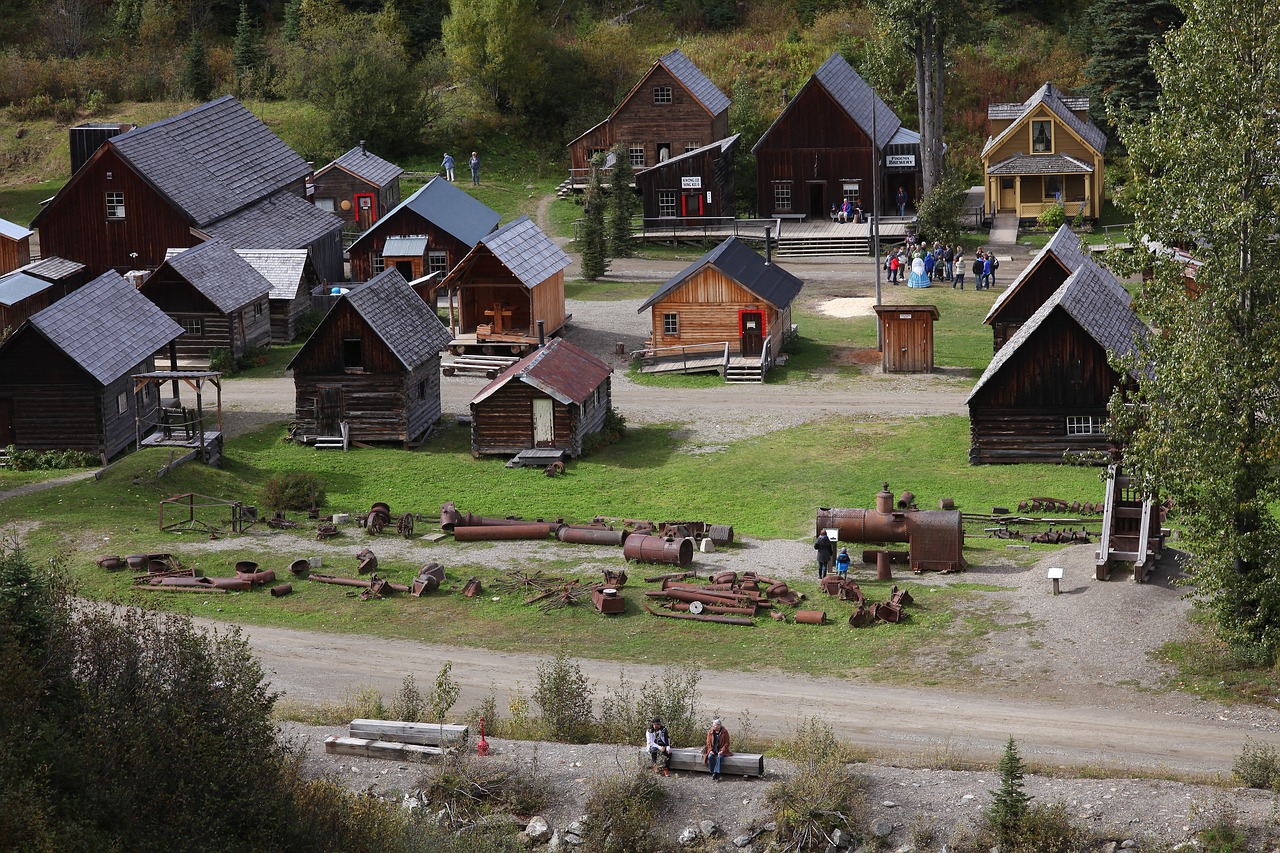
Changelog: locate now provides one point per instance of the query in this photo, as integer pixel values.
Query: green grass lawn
(21, 204)
(277, 359)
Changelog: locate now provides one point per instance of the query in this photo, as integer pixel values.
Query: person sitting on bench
(659, 745)
(716, 748)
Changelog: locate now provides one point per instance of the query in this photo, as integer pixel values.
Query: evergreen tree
(595, 261)
(247, 54)
(1009, 803)
(197, 78)
(500, 46)
(291, 29)
(623, 204)
(1119, 69)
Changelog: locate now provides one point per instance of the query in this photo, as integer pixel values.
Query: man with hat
(659, 745)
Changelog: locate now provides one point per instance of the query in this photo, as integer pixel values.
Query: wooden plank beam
(427, 734)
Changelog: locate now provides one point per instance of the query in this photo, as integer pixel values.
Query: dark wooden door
(328, 409)
(366, 214)
(7, 436)
(817, 201)
(406, 270)
(751, 325)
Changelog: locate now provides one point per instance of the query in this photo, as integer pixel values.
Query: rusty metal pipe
(905, 500)
(655, 549)
(671, 576)
(723, 620)
(864, 525)
(869, 556)
(281, 590)
(688, 595)
(811, 617)
(884, 571)
(373, 581)
(576, 535)
(486, 533)
(257, 578)
(300, 568)
(714, 608)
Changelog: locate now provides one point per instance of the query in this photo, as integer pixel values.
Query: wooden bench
(422, 734)
(390, 750)
(690, 759)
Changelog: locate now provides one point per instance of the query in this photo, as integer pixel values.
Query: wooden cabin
(907, 335)
(672, 110)
(15, 246)
(219, 300)
(1042, 152)
(21, 295)
(819, 151)
(730, 309)
(292, 277)
(372, 364)
(359, 188)
(512, 280)
(1046, 391)
(1051, 266)
(692, 185)
(64, 274)
(212, 171)
(550, 400)
(66, 373)
(450, 220)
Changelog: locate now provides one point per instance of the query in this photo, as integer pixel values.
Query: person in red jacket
(716, 748)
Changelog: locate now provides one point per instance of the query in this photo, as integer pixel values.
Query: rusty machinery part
(523, 530)
(281, 591)
(110, 562)
(137, 562)
(171, 573)
(689, 596)
(615, 578)
(428, 580)
(524, 582)
(724, 577)
(778, 615)
(900, 596)
(906, 500)
(246, 567)
(864, 525)
(682, 529)
(576, 534)
(1004, 533)
(830, 584)
(723, 609)
(884, 568)
(671, 576)
(887, 611)
(722, 620)
(300, 568)
(472, 588)
(259, 578)
(721, 534)
(655, 549)
(862, 617)
(173, 581)
(377, 519)
(279, 522)
(326, 531)
(869, 556)
(937, 541)
(367, 560)
(373, 582)
(811, 617)
(607, 600)
(946, 503)
(850, 591)
(202, 590)
(568, 594)
(405, 525)
(555, 469)
(448, 516)
(239, 584)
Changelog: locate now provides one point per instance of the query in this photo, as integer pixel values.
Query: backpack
(995, 263)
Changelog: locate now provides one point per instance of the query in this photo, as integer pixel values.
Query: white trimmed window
(851, 193)
(691, 146)
(378, 263)
(325, 204)
(1083, 425)
(122, 403)
(666, 202)
(115, 204)
(636, 154)
(437, 261)
(670, 324)
(662, 94)
(1042, 136)
(782, 196)
(193, 326)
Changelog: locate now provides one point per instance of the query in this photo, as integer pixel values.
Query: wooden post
(200, 424)
(1056, 589)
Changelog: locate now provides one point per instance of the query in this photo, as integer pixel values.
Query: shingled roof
(107, 327)
(1050, 97)
(562, 371)
(446, 207)
(1064, 246)
(213, 268)
(526, 251)
(725, 145)
(283, 221)
(683, 69)
(365, 166)
(853, 95)
(744, 265)
(1040, 164)
(54, 268)
(284, 269)
(398, 316)
(1089, 297)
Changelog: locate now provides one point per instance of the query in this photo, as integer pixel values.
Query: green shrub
(253, 357)
(1009, 803)
(408, 705)
(620, 813)
(1052, 216)
(1257, 765)
(444, 695)
(822, 796)
(672, 696)
(221, 360)
(1218, 828)
(613, 431)
(564, 699)
(308, 323)
(49, 460)
(294, 490)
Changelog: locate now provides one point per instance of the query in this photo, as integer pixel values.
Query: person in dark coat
(716, 748)
(977, 271)
(826, 551)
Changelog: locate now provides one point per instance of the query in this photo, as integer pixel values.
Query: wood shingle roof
(222, 276)
(1049, 96)
(280, 221)
(692, 78)
(523, 248)
(1065, 247)
(397, 315)
(284, 269)
(368, 167)
(744, 265)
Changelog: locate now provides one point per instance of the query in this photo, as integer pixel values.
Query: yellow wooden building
(1041, 152)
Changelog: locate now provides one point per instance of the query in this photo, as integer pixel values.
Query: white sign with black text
(900, 161)
(693, 183)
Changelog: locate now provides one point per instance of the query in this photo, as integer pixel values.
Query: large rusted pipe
(811, 617)
(905, 500)
(883, 570)
(373, 580)
(688, 595)
(683, 606)
(864, 525)
(590, 535)
(257, 578)
(281, 590)
(237, 583)
(723, 620)
(507, 531)
(655, 549)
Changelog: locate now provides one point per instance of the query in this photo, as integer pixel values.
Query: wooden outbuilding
(15, 246)
(64, 274)
(672, 110)
(372, 364)
(819, 151)
(448, 221)
(907, 336)
(65, 374)
(511, 281)
(550, 400)
(292, 277)
(692, 185)
(21, 295)
(1041, 152)
(219, 300)
(213, 171)
(728, 312)
(359, 188)
(1046, 391)
(1051, 266)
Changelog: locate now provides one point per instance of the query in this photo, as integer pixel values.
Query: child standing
(842, 563)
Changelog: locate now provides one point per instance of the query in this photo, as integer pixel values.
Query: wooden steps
(488, 366)
(536, 457)
(744, 373)
(1131, 530)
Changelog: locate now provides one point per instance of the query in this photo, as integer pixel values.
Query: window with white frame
(662, 94)
(782, 196)
(437, 261)
(378, 263)
(1083, 425)
(325, 204)
(115, 205)
(193, 326)
(666, 202)
(691, 146)
(851, 193)
(670, 324)
(122, 403)
(636, 154)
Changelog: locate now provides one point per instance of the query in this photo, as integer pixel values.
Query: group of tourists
(714, 751)
(448, 163)
(848, 210)
(918, 265)
(827, 555)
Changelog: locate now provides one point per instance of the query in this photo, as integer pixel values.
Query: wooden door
(751, 333)
(7, 436)
(544, 422)
(406, 270)
(328, 409)
(366, 212)
(1008, 195)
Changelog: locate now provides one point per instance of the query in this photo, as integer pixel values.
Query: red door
(366, 211)
(691, 203)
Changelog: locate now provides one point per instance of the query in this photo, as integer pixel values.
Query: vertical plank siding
(340, 185)
(14, 254)
(405, 223)
(707, 306)
(716, 172)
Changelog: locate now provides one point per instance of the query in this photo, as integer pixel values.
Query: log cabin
(819, 151)
(1041, 152)
(212, 171)
(512, 280)
(550, 400)
(219, 300)
(66, 373)
(1051, 266)
(15, 246)
(907, 335)
(359, 188)
(728, 312)
(1046, 391)
(292, 277)
(449, 220)
(692, 185)
(373, 364)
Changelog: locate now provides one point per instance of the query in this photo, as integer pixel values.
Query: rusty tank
(655, 549)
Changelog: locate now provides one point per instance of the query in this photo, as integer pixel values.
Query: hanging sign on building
(693, 183)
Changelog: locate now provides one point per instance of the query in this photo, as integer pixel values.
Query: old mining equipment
(935, 537)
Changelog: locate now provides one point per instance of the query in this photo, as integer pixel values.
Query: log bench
(370, 748)
(690, 759)
(421, 734)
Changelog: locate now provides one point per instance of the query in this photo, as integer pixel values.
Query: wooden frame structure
(907, 335)
(175, 417)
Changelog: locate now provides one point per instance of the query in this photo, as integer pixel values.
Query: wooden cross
(497, 313)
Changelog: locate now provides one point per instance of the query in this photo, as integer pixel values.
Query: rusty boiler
(655, 549)
(607, 600)
(882, 524)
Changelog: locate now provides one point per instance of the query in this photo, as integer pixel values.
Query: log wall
(708, 305)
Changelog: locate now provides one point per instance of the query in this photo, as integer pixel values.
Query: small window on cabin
(379, 264)
(437, 261)
(691, 146)
(636, 154)
(662, 94)
(422, 390)
(1083, 425)
(325, 204)
(257, 309)
(1042, 137)
(193, 326)
(666, 202)
(122, 403)
(782, 196)
(352, 354)
(1053, 187)
(115, 205)
(851, 193)
(670, 324)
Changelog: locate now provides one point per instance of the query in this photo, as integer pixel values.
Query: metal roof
(1065, 247)
(211, 160)
(523, 248)
(744, 265)
(283, 221)
(284, 269)
(54, 268)
(448, 208)
(1091, 300)
(404, 247)
(107, 327)
(1051, 98)
(1040, 164)
(725, 145)
(368, 167)
(565, 372)
(400, 317)
(683, 69)
(18, 285)
(213, 268)
(13, 230)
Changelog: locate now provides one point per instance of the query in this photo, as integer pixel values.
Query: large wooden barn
(292, 277)
(449, 220)
(15, 246)
(373, 364)
(729, 311)
(698, 183)
(512, 280)
(548, 401)
(819, 151)
(1041, 152)
(212, 171)
(66, 373)
(1046, 391)
(1051, 266)
(359, 188)
(219, 300)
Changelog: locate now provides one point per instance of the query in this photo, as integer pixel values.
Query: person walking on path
(658, 742)
(901, 199)
(842, 563)
(447, 165)
(825, 552)
(716, 749)
(475, 169)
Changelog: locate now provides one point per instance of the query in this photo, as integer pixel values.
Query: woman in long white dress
(918, 278)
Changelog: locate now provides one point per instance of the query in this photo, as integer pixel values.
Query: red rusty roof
(561, 370)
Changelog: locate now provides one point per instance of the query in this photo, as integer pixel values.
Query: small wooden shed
(220, 301)
(21, 295)
(15, 246)
(550, 400)
(292, 277)
(373, 364)
(359, 187)
(1051, 266)
(907, 336)
(66, 275)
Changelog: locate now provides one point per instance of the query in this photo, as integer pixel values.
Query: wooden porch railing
(684, 351)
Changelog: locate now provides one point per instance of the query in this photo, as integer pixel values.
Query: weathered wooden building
(219, 300)
(1051, 266)
(1046, 391)
(819, 151)
(212, 171)
(698, 183)
(672, 110)
(1041, 152)
(372, 364)
(512, 280)
(66, 275)
(907, 337)
(292, 277)
(359, 188)
(15, 246)
(21, 295)
(730, 298)
(450, 221)
(550, 400)
(66, 373)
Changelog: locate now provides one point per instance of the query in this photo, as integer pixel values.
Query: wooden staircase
(744, 373)
(818, 245)
(1131, 530)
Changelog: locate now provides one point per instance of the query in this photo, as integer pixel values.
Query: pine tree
(622, 204)
(1009, 804)
(247, 53)
(1119, 68)
(197, 78)
(595, 262)
(291, 29)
